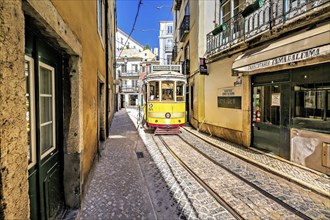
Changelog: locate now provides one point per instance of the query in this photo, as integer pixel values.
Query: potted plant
(218, 28)
(252, 8)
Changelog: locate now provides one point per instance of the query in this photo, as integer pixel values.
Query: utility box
(326, 154)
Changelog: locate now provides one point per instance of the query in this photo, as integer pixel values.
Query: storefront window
(154, 91)
(266, 104)
(312, 101)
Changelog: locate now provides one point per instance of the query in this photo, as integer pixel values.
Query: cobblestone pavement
(123, 186)
(194, 202)
(243, 197)
(301, 175)
(307, 202)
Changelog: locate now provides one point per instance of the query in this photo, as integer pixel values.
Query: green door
(43, 73)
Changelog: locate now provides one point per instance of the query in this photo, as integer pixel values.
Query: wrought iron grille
(272, 13)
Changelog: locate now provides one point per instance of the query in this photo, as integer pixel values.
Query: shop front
(290, 97)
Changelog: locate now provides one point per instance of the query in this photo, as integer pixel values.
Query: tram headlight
(167, 115)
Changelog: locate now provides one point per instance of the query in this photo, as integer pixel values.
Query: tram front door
(270, 118)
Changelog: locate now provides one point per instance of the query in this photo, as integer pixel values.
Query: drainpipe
(107, 68)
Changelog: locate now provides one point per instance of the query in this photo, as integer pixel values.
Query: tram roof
(173, 75)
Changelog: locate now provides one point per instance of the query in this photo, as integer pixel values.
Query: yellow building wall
(84, 25)
(220, 77)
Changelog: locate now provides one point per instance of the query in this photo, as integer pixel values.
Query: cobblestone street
(137, 178)
(124, 186)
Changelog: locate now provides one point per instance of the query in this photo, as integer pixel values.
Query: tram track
(251, 184)
(202, 183)
(319, 190)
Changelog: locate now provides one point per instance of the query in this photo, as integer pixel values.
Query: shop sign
(230, 97)
(290, 58)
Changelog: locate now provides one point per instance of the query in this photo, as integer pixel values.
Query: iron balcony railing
(168, 48)
(184, 27)
(130, 73)
(129, 89)
(272, 13)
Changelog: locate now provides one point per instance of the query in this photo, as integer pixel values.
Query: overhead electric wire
(136, 16)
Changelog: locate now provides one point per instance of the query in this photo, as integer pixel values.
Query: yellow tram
(164, 98)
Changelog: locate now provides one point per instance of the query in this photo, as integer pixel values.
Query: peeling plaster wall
(13, 136)
(306, 149)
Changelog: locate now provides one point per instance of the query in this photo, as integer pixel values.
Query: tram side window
(153, 91)
(167, 91)
(179, 91)
(312, 101)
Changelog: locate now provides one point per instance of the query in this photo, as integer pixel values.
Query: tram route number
(230, 102)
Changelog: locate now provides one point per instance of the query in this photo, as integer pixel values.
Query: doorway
(270, 117)
(43, 72)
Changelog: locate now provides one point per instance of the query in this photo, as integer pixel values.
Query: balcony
(130, 73)
(184, 27)
(174, 53)
(178, 4)
(168, 48)
(273, 14)
(129, 89)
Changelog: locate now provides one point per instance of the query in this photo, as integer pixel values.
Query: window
(135, 68)
(312, 101)
(229, 9)
(100, 17)
(167, 91)
(180, 91)
(47, 109)
(169, 29)
(30, 111)
(124, 68)
(153, 91)
(169, 59)
(266, 104)
(143, 69)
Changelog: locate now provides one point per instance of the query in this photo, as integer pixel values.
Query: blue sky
(146, 30)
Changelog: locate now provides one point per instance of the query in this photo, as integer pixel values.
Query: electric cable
(136, 16)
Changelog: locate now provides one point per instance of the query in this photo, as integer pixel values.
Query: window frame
(100, 11)
(32, 114)
(51, 149)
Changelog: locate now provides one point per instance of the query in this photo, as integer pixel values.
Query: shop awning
(304, 46)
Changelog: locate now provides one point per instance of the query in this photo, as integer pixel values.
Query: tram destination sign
(156, 68)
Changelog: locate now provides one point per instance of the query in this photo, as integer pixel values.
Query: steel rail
(262, 191)
(215, 196)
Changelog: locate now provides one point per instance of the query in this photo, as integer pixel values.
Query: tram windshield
(167, 91)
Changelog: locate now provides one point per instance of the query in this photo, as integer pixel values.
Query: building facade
(191, 23)
(267, 79)
(165, 42)
(123, 43)
(56, 102)
(129, 67)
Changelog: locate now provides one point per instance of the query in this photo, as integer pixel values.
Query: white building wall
(165, 34)
(121, 38)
